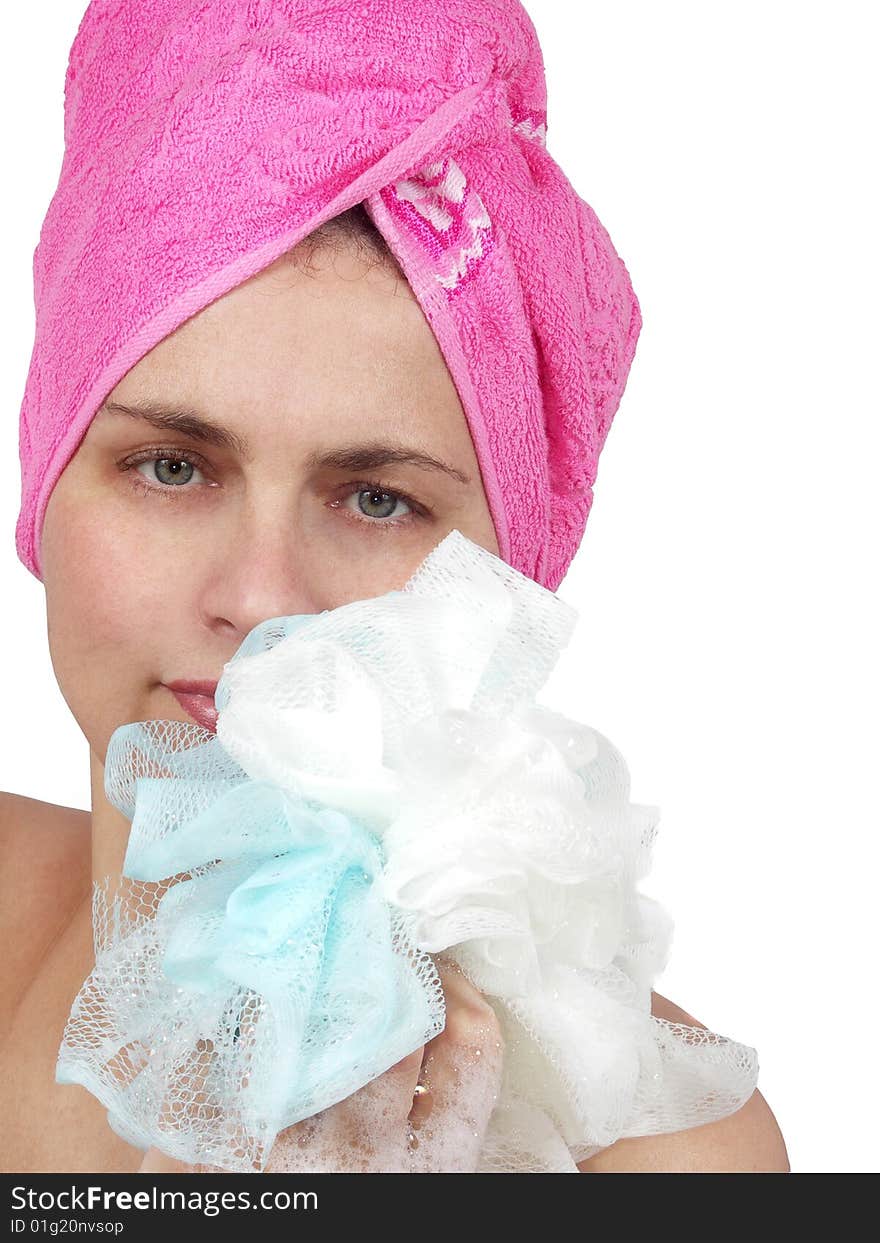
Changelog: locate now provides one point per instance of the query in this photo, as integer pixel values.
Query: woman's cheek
(108, 586)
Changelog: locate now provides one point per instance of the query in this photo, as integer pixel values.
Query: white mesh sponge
(382, 786)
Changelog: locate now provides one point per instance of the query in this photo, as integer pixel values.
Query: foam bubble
(370, 1132)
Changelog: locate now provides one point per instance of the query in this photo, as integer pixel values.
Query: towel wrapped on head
(204, 138)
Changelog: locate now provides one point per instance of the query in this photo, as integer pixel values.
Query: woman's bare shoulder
(46, 834)
(747, 1141)
(45, 869)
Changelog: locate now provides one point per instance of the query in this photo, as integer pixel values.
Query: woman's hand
(387, 1127)
(426, 1114)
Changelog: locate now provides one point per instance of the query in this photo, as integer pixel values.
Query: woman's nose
(264, 571)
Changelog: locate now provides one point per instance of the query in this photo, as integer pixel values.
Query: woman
(297, 442)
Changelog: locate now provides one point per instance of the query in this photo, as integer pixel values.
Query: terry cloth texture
(204, 138)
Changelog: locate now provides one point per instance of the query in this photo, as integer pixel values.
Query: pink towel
(204, 138)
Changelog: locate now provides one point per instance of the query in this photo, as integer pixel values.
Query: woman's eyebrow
(181, 420)
(358, 457)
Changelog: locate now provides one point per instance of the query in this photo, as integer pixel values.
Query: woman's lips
(197, 698)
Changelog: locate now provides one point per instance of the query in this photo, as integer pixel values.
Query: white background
(727, 580)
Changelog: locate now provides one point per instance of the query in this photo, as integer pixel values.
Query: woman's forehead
(333, 351)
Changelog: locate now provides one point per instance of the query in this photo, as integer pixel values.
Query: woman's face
(162, 548)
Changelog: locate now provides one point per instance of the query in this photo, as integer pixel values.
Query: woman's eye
(378, 504)
(167, 475)
(166, 472)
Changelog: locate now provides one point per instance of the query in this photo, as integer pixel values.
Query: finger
(394, 1087)
(471, 1022)
(185, 1108)
(365, 1132)
(461, 1078)
(190, 1105)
